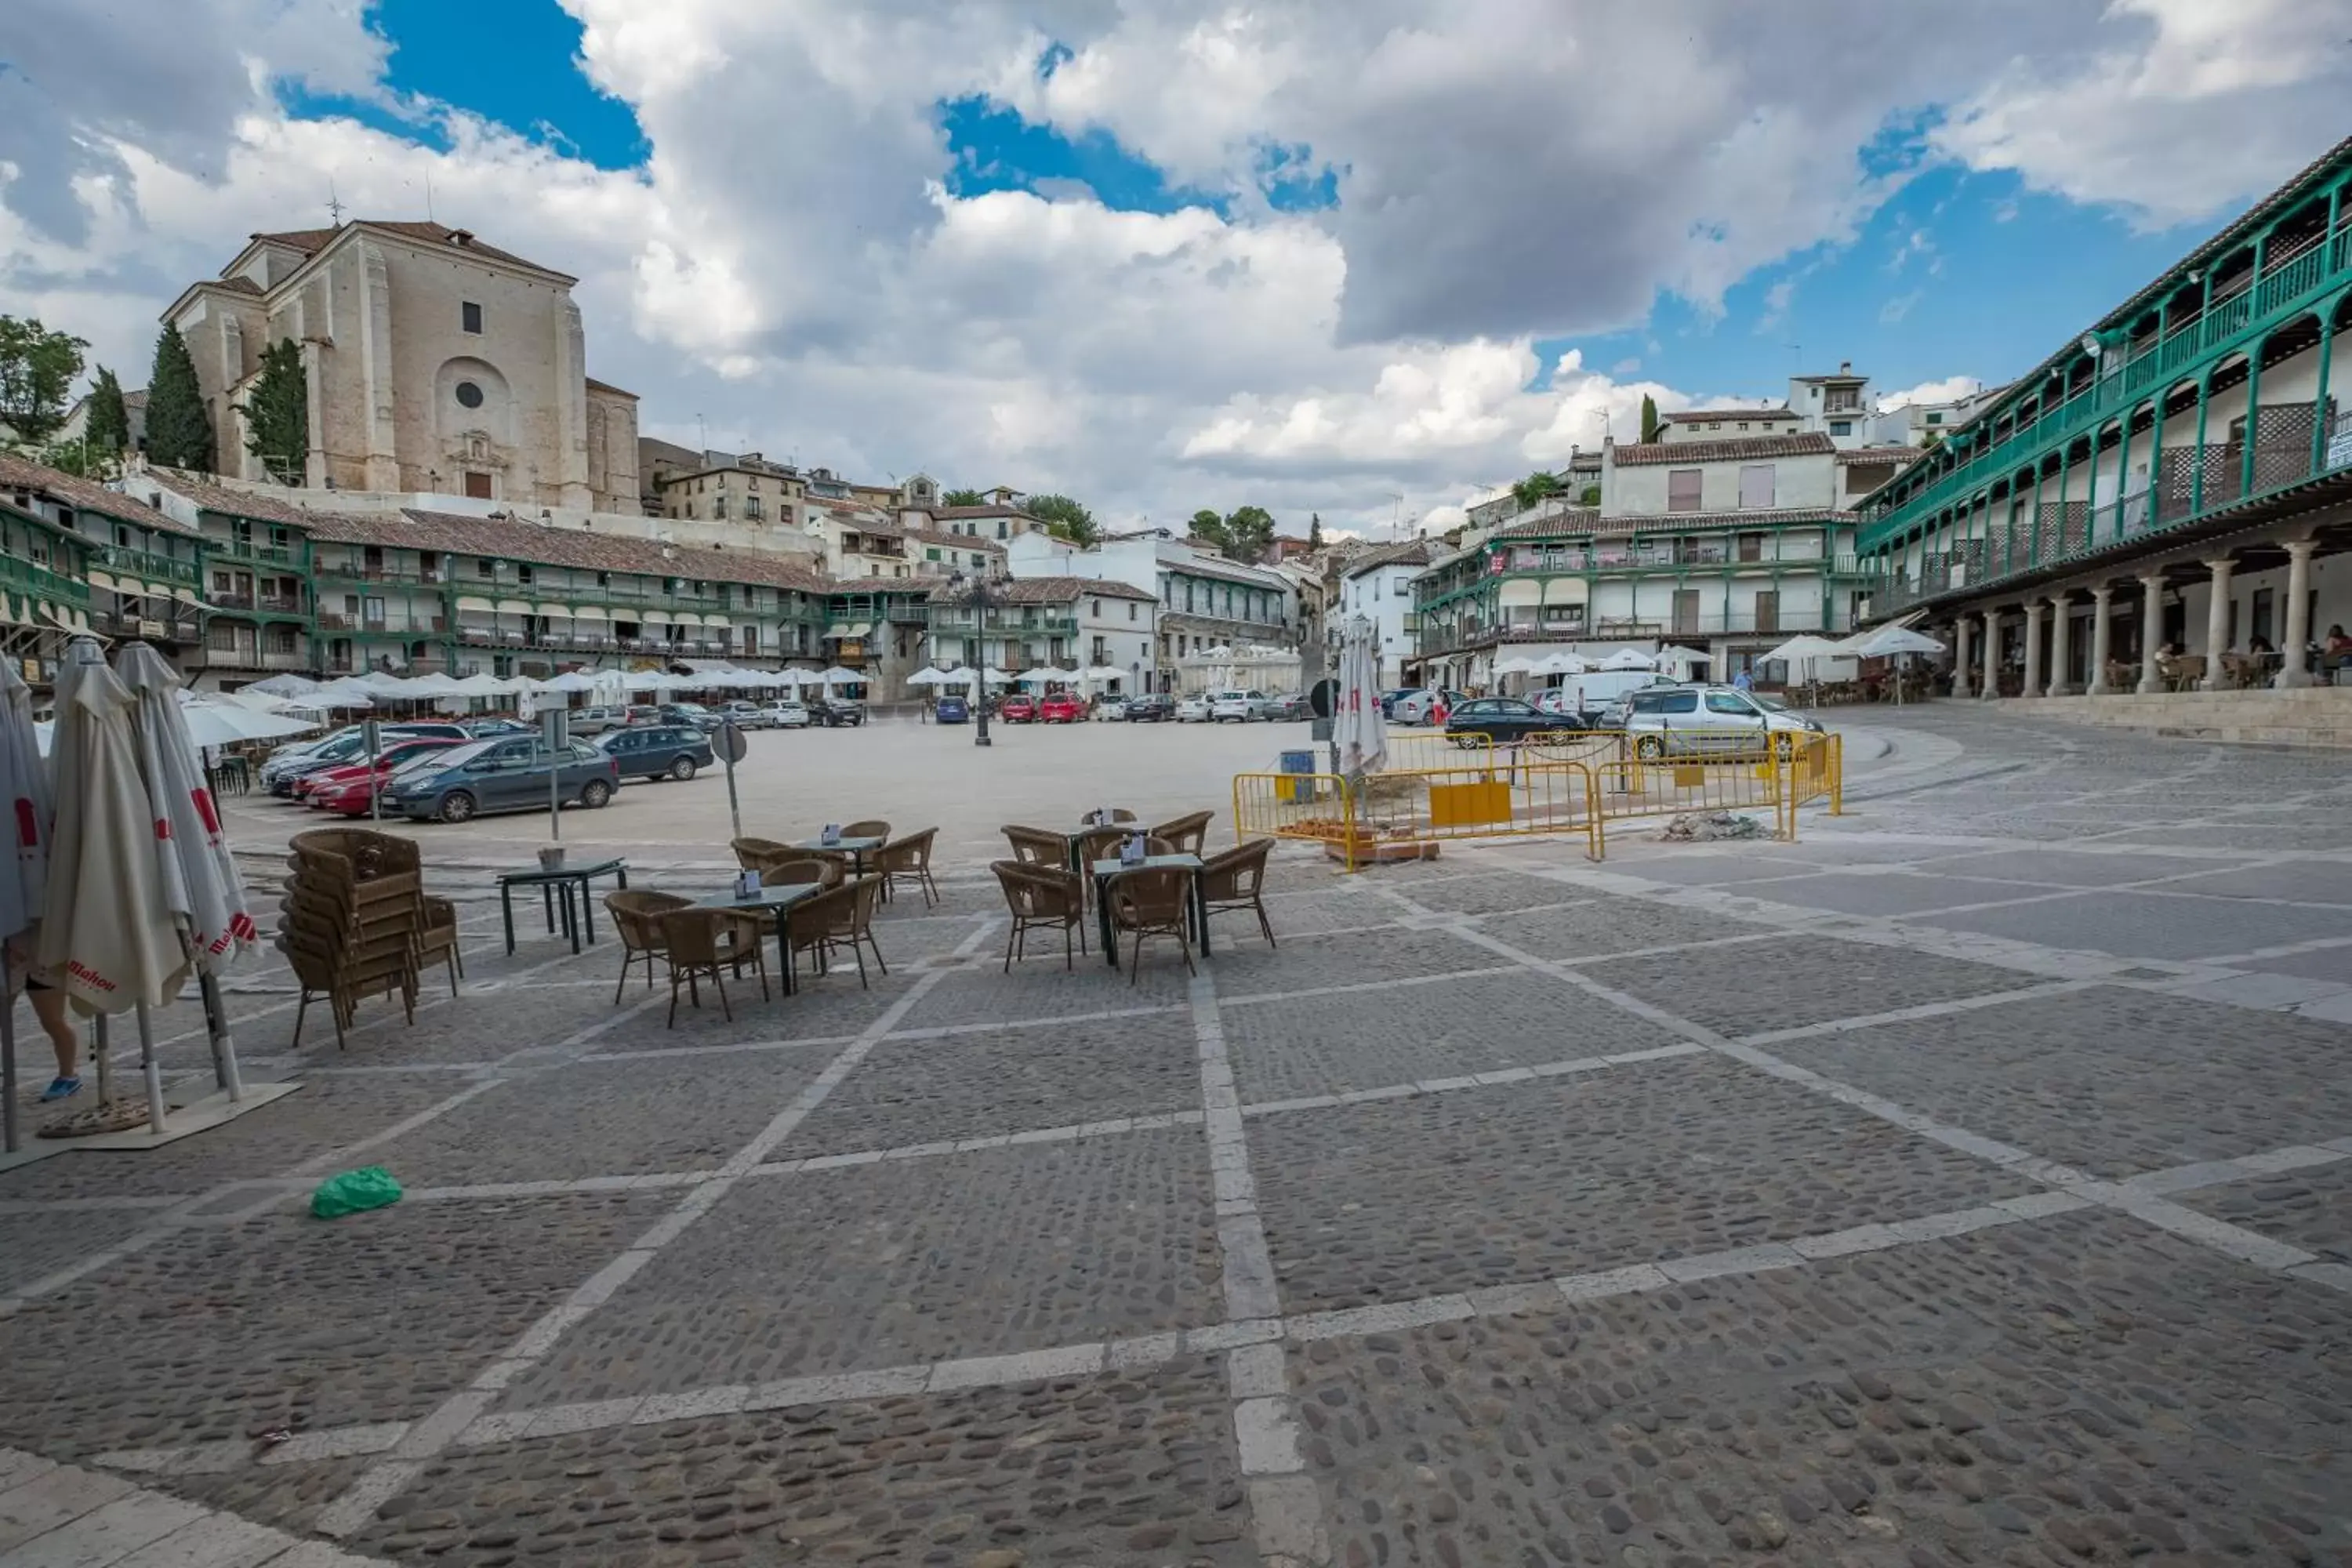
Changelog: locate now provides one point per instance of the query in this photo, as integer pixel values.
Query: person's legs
(49, 1008)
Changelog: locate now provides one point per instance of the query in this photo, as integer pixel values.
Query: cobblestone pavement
(1968, 1182)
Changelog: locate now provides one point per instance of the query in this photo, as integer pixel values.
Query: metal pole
(101, 1052)
(980, 676)
(7, 1058)
(555, 797)
(734, 807)
(223, 1044)
(150, 1071)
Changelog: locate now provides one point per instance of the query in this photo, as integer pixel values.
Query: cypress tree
(278, 413)
(109, 425)
(179, 431)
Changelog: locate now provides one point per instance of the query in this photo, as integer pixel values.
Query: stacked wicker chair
(354, 922)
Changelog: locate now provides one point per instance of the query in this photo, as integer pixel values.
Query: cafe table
(770, 901)
(1106, 872)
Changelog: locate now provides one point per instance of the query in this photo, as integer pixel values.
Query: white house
(1377, 585)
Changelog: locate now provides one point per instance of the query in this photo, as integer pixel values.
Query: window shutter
(1682, 490)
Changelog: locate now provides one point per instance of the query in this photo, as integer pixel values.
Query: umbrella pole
(8, 1059)
(150, 1071)
(100, 1052)
(223, 1044)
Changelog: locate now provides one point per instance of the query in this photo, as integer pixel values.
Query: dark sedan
(1153, 708)
(509, 774)
(659, 751)
(1504, 720)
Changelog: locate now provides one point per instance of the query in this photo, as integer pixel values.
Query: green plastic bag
(354, 1192)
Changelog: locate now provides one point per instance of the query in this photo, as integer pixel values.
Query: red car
(1061, 708)
(1017, 710)
(347, 790)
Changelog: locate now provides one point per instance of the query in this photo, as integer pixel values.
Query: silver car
(1706, 721)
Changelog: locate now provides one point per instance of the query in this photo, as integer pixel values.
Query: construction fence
(1572, 785)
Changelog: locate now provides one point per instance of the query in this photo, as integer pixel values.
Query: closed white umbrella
(1359, 734)
(106, 930)
(25, 871)
(200, 882)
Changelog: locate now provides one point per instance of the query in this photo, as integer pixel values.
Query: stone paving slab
(1349, 959)
(994, 1081)
(1003, 1249)
(2110, 1080)
(1111, 1470)
(1685, 868)
(2086, 1390)
(1888, 893)
(1333, 1043)
(1609, 924)
(1040, 987)
(63, 1516)
(2328, 963)
(2310, 1208)
(1524, 1182)
(223, 1333)
(2144, 925)
(1493, 893)
(593, 1119)
(2310, 882)
(2071, 869)
(1789, 982)
(34, 1245)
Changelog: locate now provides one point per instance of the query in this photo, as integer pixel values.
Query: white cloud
(1944, 391)
(789, 267)
(1899, 307)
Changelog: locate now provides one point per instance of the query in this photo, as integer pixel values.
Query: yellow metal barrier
(1294, 806)
(1412, 749)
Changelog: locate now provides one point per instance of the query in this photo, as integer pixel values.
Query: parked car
(743, 713)
(595, 721)
(490, 728)
(1018, 709)
(1288, 709)
(642, 714)
(836, 713)
(1389, 699)
(660, 751)
(1415, 707)
(325, 789)
(1699, 720)
(1111, 710)
(1192, 710)
(1061, 708)
(1152, 708)
(693, 714)
(787, 715)
(951, 711)
(1236, 707)
(509, 774)
(345, 745)
(1504, 720)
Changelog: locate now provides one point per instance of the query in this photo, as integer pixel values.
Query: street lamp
(977, 584)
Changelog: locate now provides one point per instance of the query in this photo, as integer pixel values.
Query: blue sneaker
(61, 1089)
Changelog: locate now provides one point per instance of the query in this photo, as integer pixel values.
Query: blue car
(952, 711)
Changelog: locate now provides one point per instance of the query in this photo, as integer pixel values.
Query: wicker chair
(1038, 846)
(1187, 833)
(637, 915)
(872, 827)
(437, 940)
(840, 918)
(1149, 903)
(1236, 880)
(1041, 897)
(750, 852)
(797, 871)
(1089, 844)
(909, 858)
(701, 943)
(1118, 814)
(834, 869)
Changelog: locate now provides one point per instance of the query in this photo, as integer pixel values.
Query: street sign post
(730, 745)
(555, 735)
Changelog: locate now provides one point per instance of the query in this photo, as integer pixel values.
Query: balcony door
(1768, 611)
(1686, 609)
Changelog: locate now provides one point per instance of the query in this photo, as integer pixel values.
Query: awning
(851, 629)
(99, 579)
(514, 608)
(679, 618)
(564, 610)
(717, 621)
(589, 613)
(484, 606)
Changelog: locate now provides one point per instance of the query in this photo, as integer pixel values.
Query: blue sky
(1958, 274)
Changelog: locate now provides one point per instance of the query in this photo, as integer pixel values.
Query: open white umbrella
(1629, 658)
(199, 881)
(1094, 673)
(1564, 663)
(284, 686)
(1518, 664)
(1040, 676)
(212, 722)
(25, 872)
(106, 930)
(928, 677)
(1359, 733)
(840, 676)
(572, 682)
(1883, 642)
(338, 694)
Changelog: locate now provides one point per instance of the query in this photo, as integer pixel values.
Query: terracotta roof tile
(1405, 552)
(1882, 455)
(1586, 520)
(989, 509)
(595, 385)
(1691, 416)
(1051, 591)
(210, 496)
(1808, 443)
(22, 473)
(1575, 520)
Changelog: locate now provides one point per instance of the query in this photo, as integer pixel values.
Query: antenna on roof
(334, 206)
(428, 195)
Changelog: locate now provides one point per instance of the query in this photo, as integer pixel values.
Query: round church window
(469, 395)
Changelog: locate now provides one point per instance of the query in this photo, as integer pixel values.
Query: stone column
(2102, 605)
(1961, 642)
(2217, 622)
(2032, 685)
(2151, 625)
(2292, 668)
(1990, 686)
(2061, 659)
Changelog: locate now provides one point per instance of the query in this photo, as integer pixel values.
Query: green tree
(107, 427)
(81, 459)
(1649, 417)
(964, 498)
(1064, 519)
(278, 413)
(179, 430)
(37, 369)
(1535, 488)
(1591, 497)
(1248, 534)
(1314, 531)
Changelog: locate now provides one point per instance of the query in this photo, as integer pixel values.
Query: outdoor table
(1108, 871)
(561, 879)
(856, 848)
(769, 900)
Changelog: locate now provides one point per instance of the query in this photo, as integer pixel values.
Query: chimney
(1845, 368)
